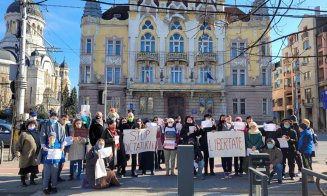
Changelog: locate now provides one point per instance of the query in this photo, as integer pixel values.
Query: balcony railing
(147, 56)
(211, 57)
(177, 56)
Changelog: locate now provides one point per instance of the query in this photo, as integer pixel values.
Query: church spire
(93, 9)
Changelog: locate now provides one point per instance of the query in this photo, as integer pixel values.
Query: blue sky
(63, 26)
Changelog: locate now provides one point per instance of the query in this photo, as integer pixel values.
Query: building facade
(159, 62)
(45, 77)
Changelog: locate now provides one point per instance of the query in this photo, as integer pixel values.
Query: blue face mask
(270, 146)
(287, 126)
(100, 147)
(53, 121)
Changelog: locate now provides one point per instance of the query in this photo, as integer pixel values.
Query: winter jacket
(51, 161)
(275, 155)
(290, 133)
(185, 130)
(95, 132)
(253, 138)
(204, 138)
(170, 133)
(45, 132)
(27, 149)
(305, 144)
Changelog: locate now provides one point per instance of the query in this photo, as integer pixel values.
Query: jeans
(73, 167)
(278, 168)
(50, 171)
(200, 168)
(170, 157)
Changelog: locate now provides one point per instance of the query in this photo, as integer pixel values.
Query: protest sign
(54, 154)
(239, 126)
(105, 152)
(68, 141)
(169, 144)
(81, 132)
(206, 124)
(226, 144)
(100, 169)
(85, 110)
(270, 127)
(191, 129)
(140, 140)
(282, 142)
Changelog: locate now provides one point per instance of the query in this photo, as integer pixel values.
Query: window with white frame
(147, 25)
(307, 75)
(205, 44)
(238, 106)
(176, 74)
(242, 77)
(113, 47)
(238, 77)
(176, 43)
(264, 49)
(88, 46)
(306, 45)
(235, 106)
(148, 43)
(242, 106)
(86, 100)
(176, 25)
(205, 74)
(113, 75)
(234, 75)
(265, 106)
(146, 105)
(264, 76)
(237, 49)
(147, 74)
(87, 74)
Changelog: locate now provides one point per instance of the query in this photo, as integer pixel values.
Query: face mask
(270, 146)
(53, 121)
(287, 126)
(31, 128)
(33, 118)
(130, 120)
(100, 147)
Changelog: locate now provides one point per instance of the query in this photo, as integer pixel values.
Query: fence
(305, 174)
(263, 186)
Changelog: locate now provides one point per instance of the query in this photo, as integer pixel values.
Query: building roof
(32, 9)
(155, 1)
(64, 64)
(6, 57)
(234, 14)
(93, 9)
(119, 12)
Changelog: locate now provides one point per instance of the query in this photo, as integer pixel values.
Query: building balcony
(175, 87)
(278, 108)
(206, 57)
(147, 56)
(86, 59)
(113, 60)
(177, 56)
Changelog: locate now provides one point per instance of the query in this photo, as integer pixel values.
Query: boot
(32, 182)
(22, 179)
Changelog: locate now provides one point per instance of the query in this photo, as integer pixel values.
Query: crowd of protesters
(36, 142)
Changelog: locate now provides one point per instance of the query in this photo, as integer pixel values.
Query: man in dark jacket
(275, 159)
(289, 153)
(295, 126)
(97, 127)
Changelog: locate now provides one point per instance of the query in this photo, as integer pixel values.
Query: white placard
(169, 144)
(116, 139)
(68, 141)
(85, 110)
(140, 140)
(100, 169)
(105, 152)
(282, 142)
(206, 124)
(239, 126)
(270, 127)
(54, 154)
(179, 127)
(250, 151)
(191, 129)
(226, 144)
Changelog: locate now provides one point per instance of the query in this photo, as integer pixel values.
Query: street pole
(21, 83)
(105, 93)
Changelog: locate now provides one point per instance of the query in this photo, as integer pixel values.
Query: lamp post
(106, 94)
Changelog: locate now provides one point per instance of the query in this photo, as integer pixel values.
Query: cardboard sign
(239, 126)
(169, 144)
(140, 140)
(206, 124)
(81, 133)
(54, 154)
(105, 152)
(270, 127)
(191, 129)
(226, 144)
(100, 169)
(282, 142)
(85, 110)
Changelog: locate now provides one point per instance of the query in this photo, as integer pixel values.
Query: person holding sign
(286, 141)
(207, 125)
(53, 155)
(170, 146)
(96, 175)
(189, 130)
(111, 138)
(239, 125)
(76, 151)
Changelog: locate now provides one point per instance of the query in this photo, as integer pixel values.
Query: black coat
(290, 133)
(203, 139)
(96, 131)
(185, 130)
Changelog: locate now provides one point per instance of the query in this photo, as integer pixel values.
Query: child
(51, 164)
(198, 158)
(76, 152)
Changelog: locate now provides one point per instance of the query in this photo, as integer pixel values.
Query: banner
(140, 140)
(81, 132)
(226, 144)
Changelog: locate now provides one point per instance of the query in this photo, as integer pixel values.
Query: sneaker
(54, 190)
(299, 174)
(280, 182)
(46, 191)
(226, 175)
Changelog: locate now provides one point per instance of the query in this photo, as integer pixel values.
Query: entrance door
(176, 107)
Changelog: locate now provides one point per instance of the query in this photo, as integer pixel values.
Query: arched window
(205, 26)
(205, 44)
(176, 43)
(176, 25)
(33, 29)
(176, 74)
(148, 43)
(147, 25)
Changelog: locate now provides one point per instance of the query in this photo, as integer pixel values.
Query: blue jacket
(45, 153)
(305, 143)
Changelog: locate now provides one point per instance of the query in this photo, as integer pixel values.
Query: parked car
(5, 133)
(2, 121)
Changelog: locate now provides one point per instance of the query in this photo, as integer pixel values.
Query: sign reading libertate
(226, 144)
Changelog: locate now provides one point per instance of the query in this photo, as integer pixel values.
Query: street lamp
(106, 94)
